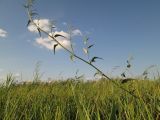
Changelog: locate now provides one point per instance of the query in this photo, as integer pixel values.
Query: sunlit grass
(70, 100)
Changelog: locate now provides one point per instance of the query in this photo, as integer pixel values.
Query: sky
(118, 29)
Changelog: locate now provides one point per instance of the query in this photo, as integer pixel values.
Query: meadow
(80, 100)
(77, 99)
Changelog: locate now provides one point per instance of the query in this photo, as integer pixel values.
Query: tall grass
(78, 100)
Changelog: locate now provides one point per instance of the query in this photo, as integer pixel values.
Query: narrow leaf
(53, 27)
(55, 48)
(145, 73)
(114, 112)
(90, 46)
(58, 35)
(123, 75)
(28, 23)
(97, 73)
(33, 14)
(39, 31)
(126, 80)
(94, 58)
(129, 65)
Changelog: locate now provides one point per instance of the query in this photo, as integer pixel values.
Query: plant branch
(29, 11)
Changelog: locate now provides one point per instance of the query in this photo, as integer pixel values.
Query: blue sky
(118, 29)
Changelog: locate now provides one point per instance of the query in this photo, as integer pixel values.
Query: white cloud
(3, 33)
(76, 32)
(49, 44)
(44, 24)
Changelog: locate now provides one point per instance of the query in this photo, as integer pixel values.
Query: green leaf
(97, 73)
(58, 35)
(90, 46)
(129, 66)
(28, 23)
(123, 74)
(34, 13)
(53, 27)
(94, 59)
(55, 48)
(114, 112)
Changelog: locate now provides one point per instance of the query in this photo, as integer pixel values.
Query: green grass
(78, 100)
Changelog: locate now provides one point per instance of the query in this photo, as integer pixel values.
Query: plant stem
(76, 56)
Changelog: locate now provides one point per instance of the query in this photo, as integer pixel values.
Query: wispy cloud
(44, 24)
(76, 32)
(3, 33)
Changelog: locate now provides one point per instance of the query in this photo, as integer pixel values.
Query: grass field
(78, 100)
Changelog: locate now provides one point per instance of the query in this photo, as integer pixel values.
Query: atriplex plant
(32, 14)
